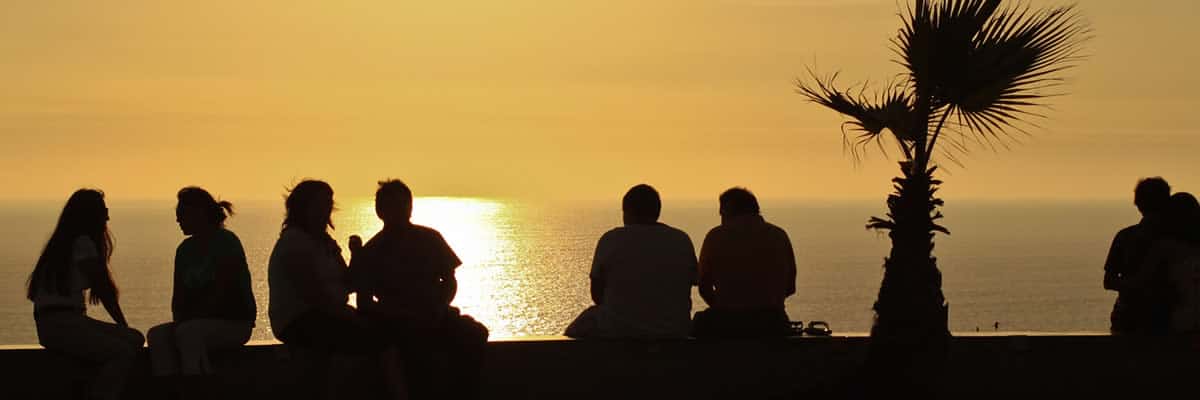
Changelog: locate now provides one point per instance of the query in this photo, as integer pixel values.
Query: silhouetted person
(747, 269)
(642, 276)
(1132, 312)
(212, 303)
(307, 279)
(75, 260)
(1170, 273)
(404, 279)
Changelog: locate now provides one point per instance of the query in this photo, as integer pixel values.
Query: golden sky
(538, 99)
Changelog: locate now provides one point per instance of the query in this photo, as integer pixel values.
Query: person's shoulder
(1130, 232)
(228, 237)
(717, 231)
(775, 229)
(614, 234)
(425, 232)
(295, 240)
(375, 241)
(673, 232)
(616, 231)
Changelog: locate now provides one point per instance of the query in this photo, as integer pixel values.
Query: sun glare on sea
(479, 231)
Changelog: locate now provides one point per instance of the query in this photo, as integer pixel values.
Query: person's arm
(596, 275)
(449, 287)
(450, 262)
(693, 266)
(1112, 265)
(178, 303)
(103, 289)
(707, 282)
(789, 257)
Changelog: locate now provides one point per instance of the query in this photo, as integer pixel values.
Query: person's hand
(356, 244)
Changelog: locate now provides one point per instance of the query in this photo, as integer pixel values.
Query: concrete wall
(1086, 367)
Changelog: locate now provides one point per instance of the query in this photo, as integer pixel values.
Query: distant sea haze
(1027, 266)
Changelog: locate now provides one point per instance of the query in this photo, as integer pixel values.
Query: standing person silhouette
(1132, 311)
(74, 266)
(212, 303)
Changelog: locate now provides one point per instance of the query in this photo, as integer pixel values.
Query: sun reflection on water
(479, 231)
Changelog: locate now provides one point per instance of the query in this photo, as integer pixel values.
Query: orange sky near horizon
(532, 99)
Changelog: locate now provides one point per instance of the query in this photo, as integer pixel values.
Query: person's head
(393, 202)
(197, 211)
(85, 214)
(737, 202)
(1152, 196)
(309, 207)
(1184, 215)
(641, 205)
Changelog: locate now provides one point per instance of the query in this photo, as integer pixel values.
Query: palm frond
(1017, 55)
(936, 42)
(890, 109)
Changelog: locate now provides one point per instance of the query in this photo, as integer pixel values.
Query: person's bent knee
(185, 334)
(135, 338)
(160, 334)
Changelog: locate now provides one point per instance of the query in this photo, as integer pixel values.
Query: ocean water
(1027, 266)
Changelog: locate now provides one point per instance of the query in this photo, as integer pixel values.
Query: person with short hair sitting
(404, 280)
(642, 276)
(747, 269)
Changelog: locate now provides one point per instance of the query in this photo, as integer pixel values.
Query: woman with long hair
(76, 260)
(212, 304)
(307, 275)
(1170, 274)
(308, 283)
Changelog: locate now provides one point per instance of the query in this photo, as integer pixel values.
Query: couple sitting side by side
(1155, 265)
(642, 274)
(404, 279)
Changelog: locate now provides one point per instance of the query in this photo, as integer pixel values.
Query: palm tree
(976, 70)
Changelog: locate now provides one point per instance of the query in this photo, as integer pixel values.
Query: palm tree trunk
(910, 337)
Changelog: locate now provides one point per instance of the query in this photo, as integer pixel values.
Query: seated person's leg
(467, 345)
(198, 338)
(584, 325)
(164, 355)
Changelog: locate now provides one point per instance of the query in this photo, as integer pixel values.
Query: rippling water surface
(1030, 267)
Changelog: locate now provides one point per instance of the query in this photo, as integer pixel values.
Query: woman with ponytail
(75, 260)
(212, 304)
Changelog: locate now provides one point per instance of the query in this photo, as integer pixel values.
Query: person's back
(750, 262)
(1183, 277)
(648, 270)
(1178, 253)
(405, 267)
(641, 276)
(747, 270)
